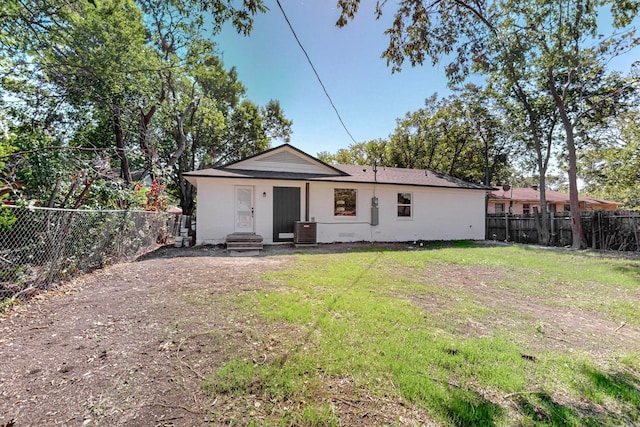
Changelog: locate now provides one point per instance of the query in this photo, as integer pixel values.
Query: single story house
(286, 195)
(522, 201)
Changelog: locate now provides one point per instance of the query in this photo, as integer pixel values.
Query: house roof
(527, 194)
(402, 176)
(251, 168)
(284, 148)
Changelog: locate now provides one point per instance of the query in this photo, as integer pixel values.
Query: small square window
(344, 201)
(404, 205)
(526, 208)
(499, 208)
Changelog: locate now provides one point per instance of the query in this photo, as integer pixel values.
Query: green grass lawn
(460, 334)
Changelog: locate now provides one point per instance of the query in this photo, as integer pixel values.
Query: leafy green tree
(326, 156)
(464, 135)
(101, 61)
(220, 125)
(555, 40)
(275, 125)
(612, 170)
(7, 219)
(118, 81)
(362, 153)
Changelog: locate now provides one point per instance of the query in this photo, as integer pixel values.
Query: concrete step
(244, 242)
(244, 247)
(244, 253)
(241, 237)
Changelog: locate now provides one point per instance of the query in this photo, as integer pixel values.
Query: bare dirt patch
(127, 345)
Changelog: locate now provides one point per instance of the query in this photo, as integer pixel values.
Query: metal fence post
(46, 245)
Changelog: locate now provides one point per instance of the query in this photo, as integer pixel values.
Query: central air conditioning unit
(305, 233)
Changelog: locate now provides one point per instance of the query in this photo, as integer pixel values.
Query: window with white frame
(526, 208)
(404, 205)
(344, 201)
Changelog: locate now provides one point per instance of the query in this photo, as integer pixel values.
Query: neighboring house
(523, 200)
(267, 194)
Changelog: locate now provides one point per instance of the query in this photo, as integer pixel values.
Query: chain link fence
(45, 245)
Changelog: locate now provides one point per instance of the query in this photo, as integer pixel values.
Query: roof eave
(193, 175)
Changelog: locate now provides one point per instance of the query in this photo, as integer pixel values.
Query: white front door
(244, 210)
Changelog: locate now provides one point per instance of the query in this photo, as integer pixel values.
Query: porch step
(244, 242)
(244, 253)
(240, 247)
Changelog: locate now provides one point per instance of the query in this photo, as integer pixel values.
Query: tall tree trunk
(579, 241)
(181, 138)
(145, 119)
(121, 149)
(543, 225)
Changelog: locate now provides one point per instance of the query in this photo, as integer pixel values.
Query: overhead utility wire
(315, 72)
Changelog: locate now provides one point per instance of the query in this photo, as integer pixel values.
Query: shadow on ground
(598, 389)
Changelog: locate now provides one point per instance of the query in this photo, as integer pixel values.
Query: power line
(315, 72)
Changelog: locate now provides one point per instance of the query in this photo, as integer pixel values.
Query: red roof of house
(533, 195)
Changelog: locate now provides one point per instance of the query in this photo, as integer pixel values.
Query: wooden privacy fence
(618, 230)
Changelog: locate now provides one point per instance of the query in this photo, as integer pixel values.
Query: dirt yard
(131, 344)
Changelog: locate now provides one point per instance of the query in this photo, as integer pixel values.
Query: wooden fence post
(593, 231)
(506, 227)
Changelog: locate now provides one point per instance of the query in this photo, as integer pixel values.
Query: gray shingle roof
(402, 176)
(354, 174)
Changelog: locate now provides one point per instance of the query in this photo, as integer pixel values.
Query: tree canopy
(531, 48)
(611, 170)
(101, 93)
(465, 135)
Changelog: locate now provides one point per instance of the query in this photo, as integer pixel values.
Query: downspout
(306, 201)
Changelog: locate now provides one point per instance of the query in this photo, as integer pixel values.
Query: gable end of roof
(279, 155)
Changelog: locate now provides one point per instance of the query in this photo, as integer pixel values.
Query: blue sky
(368, 96)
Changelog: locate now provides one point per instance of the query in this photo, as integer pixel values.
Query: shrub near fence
(616, 230)
(48, 245)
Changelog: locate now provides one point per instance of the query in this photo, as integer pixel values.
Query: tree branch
(52, 148)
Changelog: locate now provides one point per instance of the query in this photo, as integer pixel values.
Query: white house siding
(216, 207)
(437, 213)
